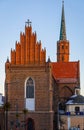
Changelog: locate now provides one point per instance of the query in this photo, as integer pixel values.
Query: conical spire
(63, 28)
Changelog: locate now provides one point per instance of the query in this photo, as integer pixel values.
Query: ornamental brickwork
(28, 50)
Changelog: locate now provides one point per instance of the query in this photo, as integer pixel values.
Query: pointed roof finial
(62, 28)
(49, 60)
(7, 60)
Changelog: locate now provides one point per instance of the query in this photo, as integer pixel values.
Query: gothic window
(62, 46)
(29, 88)
(30, 94)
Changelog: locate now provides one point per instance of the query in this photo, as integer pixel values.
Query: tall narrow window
(30, 94)
(62, 46)
(30, 88)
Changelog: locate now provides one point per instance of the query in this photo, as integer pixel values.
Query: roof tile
(65, 69)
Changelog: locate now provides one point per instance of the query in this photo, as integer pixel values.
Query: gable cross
(28, 22)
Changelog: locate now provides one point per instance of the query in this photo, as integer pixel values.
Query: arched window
(62, 46)
(30, 94)
(29, 88)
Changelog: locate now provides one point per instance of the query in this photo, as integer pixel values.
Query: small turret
(7, 64)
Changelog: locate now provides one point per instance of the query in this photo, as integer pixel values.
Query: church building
(37, 84)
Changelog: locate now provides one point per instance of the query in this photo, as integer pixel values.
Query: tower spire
(63, 43)
(63, 28)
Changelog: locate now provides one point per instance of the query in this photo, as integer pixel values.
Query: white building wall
(71, 108)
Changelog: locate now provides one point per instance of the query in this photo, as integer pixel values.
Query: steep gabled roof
(65, 69)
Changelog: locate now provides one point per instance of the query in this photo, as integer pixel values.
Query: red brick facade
(54, 82)
(29, 60)
(63, 51)
(28, 50)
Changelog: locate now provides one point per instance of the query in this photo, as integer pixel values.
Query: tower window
(62, 46)
(66, 47)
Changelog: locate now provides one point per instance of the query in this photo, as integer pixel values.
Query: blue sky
(46, 17)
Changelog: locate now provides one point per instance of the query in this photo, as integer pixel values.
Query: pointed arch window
(30, 88)
(62, 46)
(30, 94)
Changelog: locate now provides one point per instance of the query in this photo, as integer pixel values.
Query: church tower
(63, 43)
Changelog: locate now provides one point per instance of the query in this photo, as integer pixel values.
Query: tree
(62, 122)
(6, 108)
(25, 111)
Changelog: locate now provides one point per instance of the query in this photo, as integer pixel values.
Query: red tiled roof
(65, 69)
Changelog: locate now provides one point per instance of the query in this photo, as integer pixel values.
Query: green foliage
(25, 111)
(17, 115)
(62, 122)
